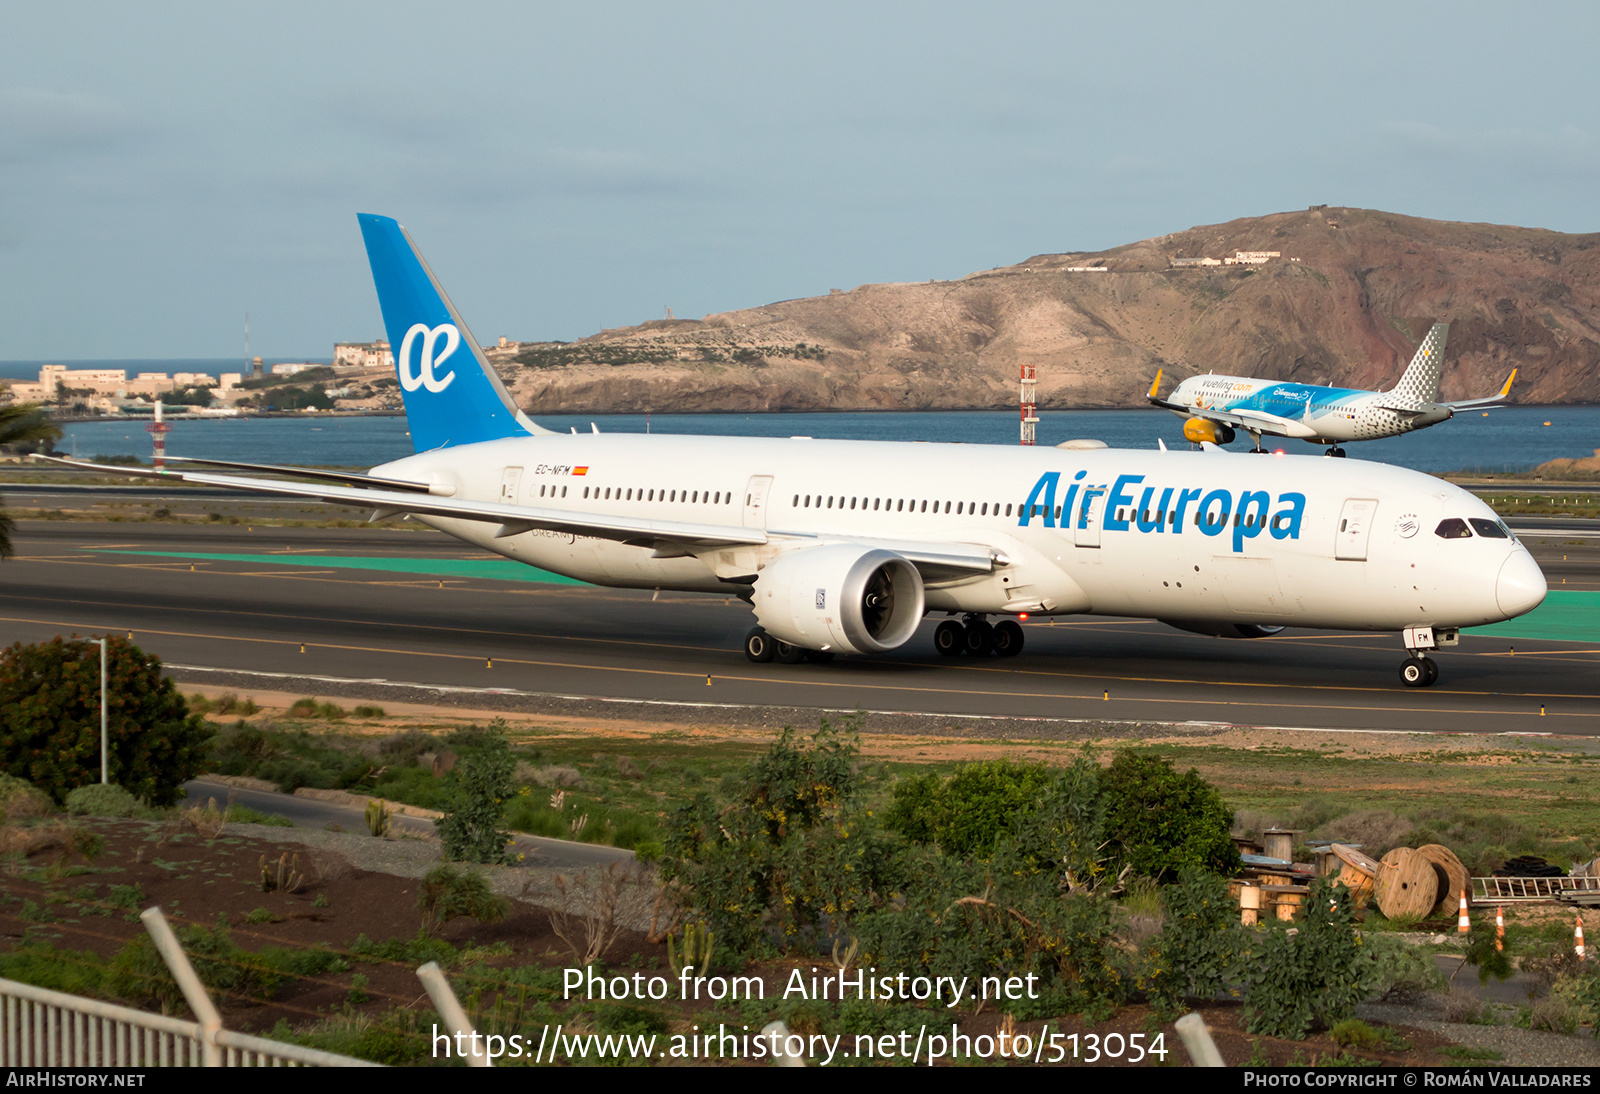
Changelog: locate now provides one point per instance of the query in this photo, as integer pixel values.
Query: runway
(306, 608)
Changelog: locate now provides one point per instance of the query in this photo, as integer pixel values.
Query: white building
(362, 355)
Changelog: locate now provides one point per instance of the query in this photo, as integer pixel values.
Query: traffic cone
(1463, 924)
(1577, 940)
(1499, 928)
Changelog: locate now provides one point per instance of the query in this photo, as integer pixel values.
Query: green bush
(914, 807)
(1200, 943)
(20, 800)
(1159, 821)
(50, 720)
(476, 793)
(1393, 969)
(138, 974)
(102, 800)
(793, 849)
(981, 801)
(1312, 976)
(446, 893)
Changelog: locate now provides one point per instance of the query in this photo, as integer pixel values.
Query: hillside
(1351, 309)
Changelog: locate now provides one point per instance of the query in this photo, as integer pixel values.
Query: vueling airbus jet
(1218, 406)
(844, 546)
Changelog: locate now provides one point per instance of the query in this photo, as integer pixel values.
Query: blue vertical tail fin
(452, 394)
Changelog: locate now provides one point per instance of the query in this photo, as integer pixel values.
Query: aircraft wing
(1264, 422)
(937, 561)
(513, 519)
(1485, 404)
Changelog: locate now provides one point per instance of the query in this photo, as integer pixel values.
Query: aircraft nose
(1520, 587)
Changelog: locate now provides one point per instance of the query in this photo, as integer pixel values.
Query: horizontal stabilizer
(1492, 401)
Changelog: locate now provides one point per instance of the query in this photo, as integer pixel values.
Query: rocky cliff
(1345, 302)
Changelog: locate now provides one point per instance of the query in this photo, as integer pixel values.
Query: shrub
(1159, 821)
(50, 720)
(1393, 969)
(102, 800)
(1200, 943)
(792, 849)
(21, 800)
(914, 807)
(982, 800)
(138, 974)
(1312, 975)
(446, 893)
(476, 793)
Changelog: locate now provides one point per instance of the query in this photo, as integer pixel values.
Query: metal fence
(44, 1028)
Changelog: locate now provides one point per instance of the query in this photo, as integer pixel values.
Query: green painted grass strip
(487, 569)
(1563, 617)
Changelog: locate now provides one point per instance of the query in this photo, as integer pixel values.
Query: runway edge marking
(447, 689)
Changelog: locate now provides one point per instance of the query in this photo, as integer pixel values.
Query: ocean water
(1512, 439)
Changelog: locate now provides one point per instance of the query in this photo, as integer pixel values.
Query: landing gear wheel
(1415, 672)
(1007, 638)
(950, 638)
(785, 654)
(1335, 451)
(978, 638)
(759, 646)
(819, 657)
(1433, 671)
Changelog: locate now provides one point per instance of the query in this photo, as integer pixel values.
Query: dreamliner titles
(1167, 511)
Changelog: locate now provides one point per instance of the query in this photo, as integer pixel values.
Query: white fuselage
(1322, 415)
(1322, 543)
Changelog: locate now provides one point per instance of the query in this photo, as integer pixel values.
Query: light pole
(105, 752)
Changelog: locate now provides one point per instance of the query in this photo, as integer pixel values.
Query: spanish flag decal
(580, 470)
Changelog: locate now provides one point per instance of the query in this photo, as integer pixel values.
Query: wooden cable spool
(1357, 872)
(1452, 876)
(1407, 888)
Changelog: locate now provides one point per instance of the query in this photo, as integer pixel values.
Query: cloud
(37, 124)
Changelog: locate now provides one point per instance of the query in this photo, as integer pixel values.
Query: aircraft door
(755, 501)
(1355, 526)
(510, 482)
(1086, 529)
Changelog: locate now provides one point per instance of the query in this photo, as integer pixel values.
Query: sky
(167, 168)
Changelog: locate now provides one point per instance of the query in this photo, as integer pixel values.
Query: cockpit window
(1489, 529)
(1453, 528)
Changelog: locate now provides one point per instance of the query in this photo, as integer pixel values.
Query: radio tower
(1030, 417)
(158, 430)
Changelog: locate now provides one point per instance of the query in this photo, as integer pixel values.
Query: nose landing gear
(1419, 670)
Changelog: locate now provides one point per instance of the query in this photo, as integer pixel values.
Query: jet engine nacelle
(846, 598)
(1223, 630)
(1204, 429)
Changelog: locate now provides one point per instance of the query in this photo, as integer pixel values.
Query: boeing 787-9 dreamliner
(843, 547)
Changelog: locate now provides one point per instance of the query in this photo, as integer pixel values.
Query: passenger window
(1453, 528)
(1488, 529)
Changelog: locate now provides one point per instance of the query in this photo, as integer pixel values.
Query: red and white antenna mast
(158, 431)
(1030, 416)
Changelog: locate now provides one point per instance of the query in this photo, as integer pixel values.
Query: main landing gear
(761, 647)
(977, 637)
(1255, 438)
(1335, 451)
